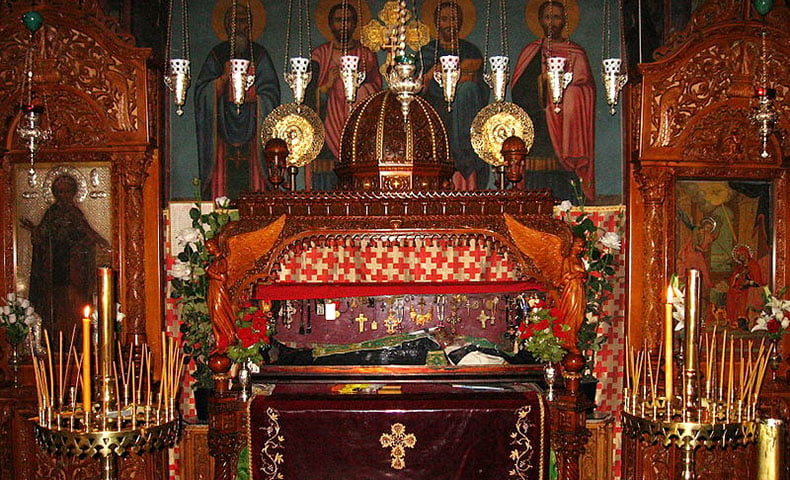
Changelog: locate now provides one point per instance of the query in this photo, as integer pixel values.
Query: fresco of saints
(564, 147)
(343, 20)
(451, 23)
(231, 158)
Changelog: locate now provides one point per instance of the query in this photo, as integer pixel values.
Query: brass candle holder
(721, 412)
(122, 414)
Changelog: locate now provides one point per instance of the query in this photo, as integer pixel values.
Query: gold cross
(361, 319)
(483, 317)
(397, 440)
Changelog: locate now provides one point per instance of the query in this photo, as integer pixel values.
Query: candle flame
(86, 312)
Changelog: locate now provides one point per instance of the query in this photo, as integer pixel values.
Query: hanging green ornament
(32, 21)
(763, 6)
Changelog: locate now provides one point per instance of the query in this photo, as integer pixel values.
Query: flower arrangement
(542, 332)
(18, 317)
(774, 319)
(189, 285)
(252, 328)
(600, 247)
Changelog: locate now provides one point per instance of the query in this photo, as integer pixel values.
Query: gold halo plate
(496, 122)
(300, 127)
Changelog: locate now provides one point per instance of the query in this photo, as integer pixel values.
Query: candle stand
(68, 436)
(122, 414)
(721, 412)
(689, 435)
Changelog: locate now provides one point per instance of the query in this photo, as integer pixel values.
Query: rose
(610, 240)
(181, 270)
(222, 202)
(189, 236)
(565, 206)
(772, 326)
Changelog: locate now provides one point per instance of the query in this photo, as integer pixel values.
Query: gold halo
(467, 7)
(321, 16)
(300, 123)
(493, 124)
(258, 17)
(531, 16)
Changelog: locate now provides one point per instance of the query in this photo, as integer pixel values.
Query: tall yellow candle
(86, 359)
(668, 331)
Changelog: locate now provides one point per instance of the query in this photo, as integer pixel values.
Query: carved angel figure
(218, 298)
(558, 260)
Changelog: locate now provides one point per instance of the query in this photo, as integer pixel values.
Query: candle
(86, 359)
(691, 351)
(668, 333)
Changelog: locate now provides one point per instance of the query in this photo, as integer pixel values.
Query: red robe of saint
(572, 130)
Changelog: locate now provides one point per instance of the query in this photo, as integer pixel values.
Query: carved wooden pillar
(133, 172)
(226, 434)
(653, 184)
(569, 433)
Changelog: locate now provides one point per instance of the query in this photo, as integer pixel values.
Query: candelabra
(29, 128)
(558, 80)
(351, 76)
(177, 73)
(121, 415)
(402, 79)
(240, 79)
(447, 77)
(498, 77)
(721, 412)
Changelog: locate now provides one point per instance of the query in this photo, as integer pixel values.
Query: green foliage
(600, 263)
(17, 316)
(189, 287)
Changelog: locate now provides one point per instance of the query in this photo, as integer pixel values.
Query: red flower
(773, 325)
(247, 337)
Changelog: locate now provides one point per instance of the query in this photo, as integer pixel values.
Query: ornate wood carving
(99, 91)
(653, 184)
(694, 123)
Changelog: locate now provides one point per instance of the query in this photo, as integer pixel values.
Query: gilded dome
(381, 152)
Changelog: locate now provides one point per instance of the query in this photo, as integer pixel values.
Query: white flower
(12, 319)
(119, 315)
(586, 264)
(11, 297)
(30, 320)
(181, 270)
(188, 235)
(610, 240)
(29, 311)
(5, 310)
(24, 302)
(565, 206)
(760, 323)
(786, 322)
(222, 202)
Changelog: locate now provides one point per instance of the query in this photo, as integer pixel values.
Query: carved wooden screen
(101, 98)
(689, 126)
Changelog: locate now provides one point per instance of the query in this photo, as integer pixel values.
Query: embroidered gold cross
(398, 440)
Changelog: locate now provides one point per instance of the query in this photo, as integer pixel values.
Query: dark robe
(229, 151)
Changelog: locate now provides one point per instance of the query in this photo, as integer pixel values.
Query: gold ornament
(496, 122)
(301, 129)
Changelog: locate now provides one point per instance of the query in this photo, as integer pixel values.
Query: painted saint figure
(471, 94)
(63, 267)
(570, 153)
(230, 156)
(331, 102)
(744, 295)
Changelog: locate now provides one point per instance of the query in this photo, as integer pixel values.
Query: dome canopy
(381, 152)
